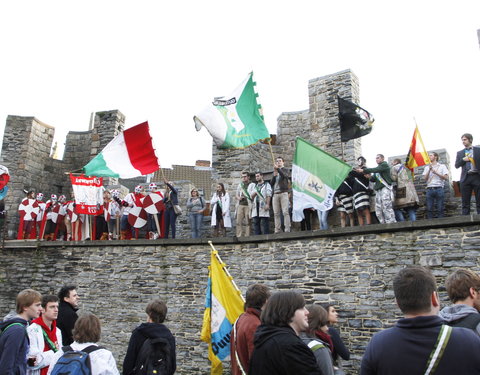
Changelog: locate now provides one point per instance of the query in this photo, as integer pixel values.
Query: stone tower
(319, 124)
(27, 143)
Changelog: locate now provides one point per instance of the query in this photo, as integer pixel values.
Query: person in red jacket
(241, 342)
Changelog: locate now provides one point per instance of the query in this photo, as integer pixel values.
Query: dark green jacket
(384, 170)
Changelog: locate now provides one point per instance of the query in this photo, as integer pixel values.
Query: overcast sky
(164, 61)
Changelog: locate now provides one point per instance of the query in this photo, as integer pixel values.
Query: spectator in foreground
(339, 349)
(278, 348)
(153, 329)
(409, 346)
(241, 341)
(317, 321)
(13, 338)
(463, 288)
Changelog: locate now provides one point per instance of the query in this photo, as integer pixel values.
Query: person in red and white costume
(41, 212)
(130, 200)
(28, 212)
(51, 208)
(152, 229)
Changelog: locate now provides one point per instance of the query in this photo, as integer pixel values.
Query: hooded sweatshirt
(279, 351)
(13, 347)
(139, 335)
(457, 312)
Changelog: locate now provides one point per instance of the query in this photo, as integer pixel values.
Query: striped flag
(316, 175)
(130, 154)
(417, 154)
(223, 305)
(235, 121)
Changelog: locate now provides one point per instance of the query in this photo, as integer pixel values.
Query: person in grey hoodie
(463, 288)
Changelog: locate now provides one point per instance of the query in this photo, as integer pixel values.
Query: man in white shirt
(435, 175)
(45, 338)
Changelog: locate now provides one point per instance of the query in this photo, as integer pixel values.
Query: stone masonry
(26, 152)
(352, 268)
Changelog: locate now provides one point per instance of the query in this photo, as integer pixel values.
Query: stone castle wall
(349, 267)
(26, 150)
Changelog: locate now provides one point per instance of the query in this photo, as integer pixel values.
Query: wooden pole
(226, 271)
(271, 153)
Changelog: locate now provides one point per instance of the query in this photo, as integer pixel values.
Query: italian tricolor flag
(130, 154)
(316, 175)
(235, 121)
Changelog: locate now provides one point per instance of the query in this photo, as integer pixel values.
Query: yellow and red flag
(417, 155)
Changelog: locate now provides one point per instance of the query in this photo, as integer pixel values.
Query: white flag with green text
(235, 121)
(316, 175)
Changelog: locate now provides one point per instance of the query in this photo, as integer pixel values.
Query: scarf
(326, 338)
(52, 336)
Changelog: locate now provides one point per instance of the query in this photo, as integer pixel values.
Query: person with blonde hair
(13, 335)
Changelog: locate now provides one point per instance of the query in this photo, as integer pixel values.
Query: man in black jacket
(420, 343)
(67, 312)
(154, 329)
(469, 160)
(278, 348)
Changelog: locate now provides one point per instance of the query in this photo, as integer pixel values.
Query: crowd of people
(277, 334)
(384, 194)
(46, 336)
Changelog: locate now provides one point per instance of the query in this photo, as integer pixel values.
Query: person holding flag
(223, 305)
(383, 188)
(281, 190)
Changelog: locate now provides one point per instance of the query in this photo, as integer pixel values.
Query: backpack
(74, 362)
(470, 321)
(153, 358)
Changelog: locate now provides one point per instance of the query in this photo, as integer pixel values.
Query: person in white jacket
(45, 338)
(86, 333)
(220, 205)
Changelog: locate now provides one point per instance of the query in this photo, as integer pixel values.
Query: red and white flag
(88, 194)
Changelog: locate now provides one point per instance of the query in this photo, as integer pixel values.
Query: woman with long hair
(317, 326)
(170, 200)
(195, 208)
(339, 349)
(220, 204)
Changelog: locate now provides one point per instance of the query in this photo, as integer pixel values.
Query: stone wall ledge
(406, 226)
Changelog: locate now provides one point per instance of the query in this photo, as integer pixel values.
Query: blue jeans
(323, 219)
(195, 224)
(170, 218)
(411, 211)
(261, 224)
(438, 195)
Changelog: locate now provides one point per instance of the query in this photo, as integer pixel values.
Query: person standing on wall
(170, 200)
(280, 201)
(469, 160)
(261, 193)
(220, 204)
(195, 208)
(244, 204)
(435, 175)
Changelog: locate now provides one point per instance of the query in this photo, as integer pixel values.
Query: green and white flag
(234, 121)
(316, 175)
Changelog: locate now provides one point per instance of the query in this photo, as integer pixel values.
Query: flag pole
(271, 152)
(226, 271)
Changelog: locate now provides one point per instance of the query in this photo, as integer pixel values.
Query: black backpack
(470, 321)
(154, 358)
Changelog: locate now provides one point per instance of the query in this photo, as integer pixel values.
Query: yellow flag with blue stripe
(223, 305)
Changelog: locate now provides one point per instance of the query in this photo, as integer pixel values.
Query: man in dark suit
(469, 160)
